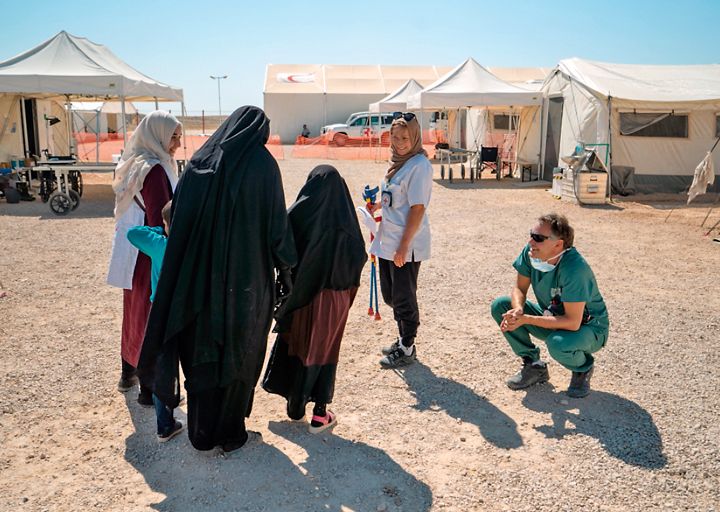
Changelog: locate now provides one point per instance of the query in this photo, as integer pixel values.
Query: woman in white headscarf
(145, 180)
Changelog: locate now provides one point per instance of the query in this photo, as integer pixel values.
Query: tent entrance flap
(552, 136)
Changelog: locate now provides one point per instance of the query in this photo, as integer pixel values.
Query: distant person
(152, 241)
(570, 315)
(305, 131)
(311, 323)
(403, 238)
(217, 289)
(145, 178)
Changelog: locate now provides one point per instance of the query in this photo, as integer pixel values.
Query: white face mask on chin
(544, 266)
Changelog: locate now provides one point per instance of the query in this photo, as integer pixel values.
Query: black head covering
(330, 246)
(229, 231)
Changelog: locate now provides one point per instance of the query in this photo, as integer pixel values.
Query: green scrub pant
(572, 349)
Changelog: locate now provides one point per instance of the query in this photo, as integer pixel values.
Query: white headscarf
(148, 147)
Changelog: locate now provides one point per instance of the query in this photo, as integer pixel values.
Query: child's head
(166, 215)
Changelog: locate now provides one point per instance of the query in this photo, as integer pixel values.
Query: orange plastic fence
(86, 149)
(338, 146)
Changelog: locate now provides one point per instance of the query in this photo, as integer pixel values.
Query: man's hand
(283, 286)
(513, 319)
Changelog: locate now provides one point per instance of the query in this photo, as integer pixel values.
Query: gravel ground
(443, 434)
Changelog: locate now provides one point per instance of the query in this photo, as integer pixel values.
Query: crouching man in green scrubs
(570, 315)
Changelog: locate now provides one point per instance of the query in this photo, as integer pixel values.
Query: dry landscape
(443, 434)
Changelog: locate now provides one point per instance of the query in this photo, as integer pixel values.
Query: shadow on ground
(624, 429)
(433, 392)
(337, 474)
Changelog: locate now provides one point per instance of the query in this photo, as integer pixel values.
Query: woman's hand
(399, 256)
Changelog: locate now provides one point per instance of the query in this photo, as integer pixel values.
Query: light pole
(218, 78)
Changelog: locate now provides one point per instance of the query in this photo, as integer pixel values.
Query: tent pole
(97, 136)
(183, 114)
(157, 107)
(69, 119)
(610, 148)
(124, 125)
(541, 163)
(23, 129)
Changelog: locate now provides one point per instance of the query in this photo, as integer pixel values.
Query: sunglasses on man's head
(408, 116)
(537, 237)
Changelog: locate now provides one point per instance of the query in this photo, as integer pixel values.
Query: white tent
(62, 69)
(75, 66)
(470, 85)
(397, 100)
(320, 94)
(658, 119)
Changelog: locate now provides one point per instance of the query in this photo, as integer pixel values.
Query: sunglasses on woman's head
(408, 116)
(537, 237)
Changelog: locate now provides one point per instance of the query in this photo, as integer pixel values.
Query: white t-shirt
(411, 185)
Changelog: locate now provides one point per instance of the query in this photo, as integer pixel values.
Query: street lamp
(218, 78)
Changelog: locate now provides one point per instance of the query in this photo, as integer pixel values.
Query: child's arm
(150, 240)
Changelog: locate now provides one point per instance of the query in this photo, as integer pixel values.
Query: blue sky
(182, 43)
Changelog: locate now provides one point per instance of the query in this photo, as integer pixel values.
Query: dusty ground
(444, 434)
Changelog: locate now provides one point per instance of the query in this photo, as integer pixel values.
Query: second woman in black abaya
(215, 297)
(311, 323)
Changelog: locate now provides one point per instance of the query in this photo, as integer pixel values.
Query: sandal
(321, 423)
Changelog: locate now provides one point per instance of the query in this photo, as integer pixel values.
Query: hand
(372, 207)
(399, 257)
(513, 319)
(283, 286)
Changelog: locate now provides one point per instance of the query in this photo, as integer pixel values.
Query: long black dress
(311, 323)
(215, 296)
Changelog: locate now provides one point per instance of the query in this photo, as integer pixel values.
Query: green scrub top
(572, 280)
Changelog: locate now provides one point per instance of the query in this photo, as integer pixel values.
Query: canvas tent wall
(66, 68)
(660, 120)
(15, 116)
(321, 94)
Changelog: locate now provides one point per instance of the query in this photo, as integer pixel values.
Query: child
(311, 322)
(152, 240)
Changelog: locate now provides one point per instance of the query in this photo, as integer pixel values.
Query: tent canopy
(76, 67)
(468, 85)
(397, 100)
(658, 83)
(107, 107)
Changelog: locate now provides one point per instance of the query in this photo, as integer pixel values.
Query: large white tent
(321, 94)
(397, 100)
(470, 85)
(65, 68)
(658, 119)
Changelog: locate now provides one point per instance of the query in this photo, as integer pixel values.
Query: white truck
(359, 124)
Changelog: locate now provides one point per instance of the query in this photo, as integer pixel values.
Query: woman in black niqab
(215, 296)
(311, 323)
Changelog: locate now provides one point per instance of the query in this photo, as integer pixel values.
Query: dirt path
(444, 434)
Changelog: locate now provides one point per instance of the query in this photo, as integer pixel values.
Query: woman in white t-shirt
(403, 237)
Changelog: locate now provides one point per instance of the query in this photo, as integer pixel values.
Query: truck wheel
(340, 139)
